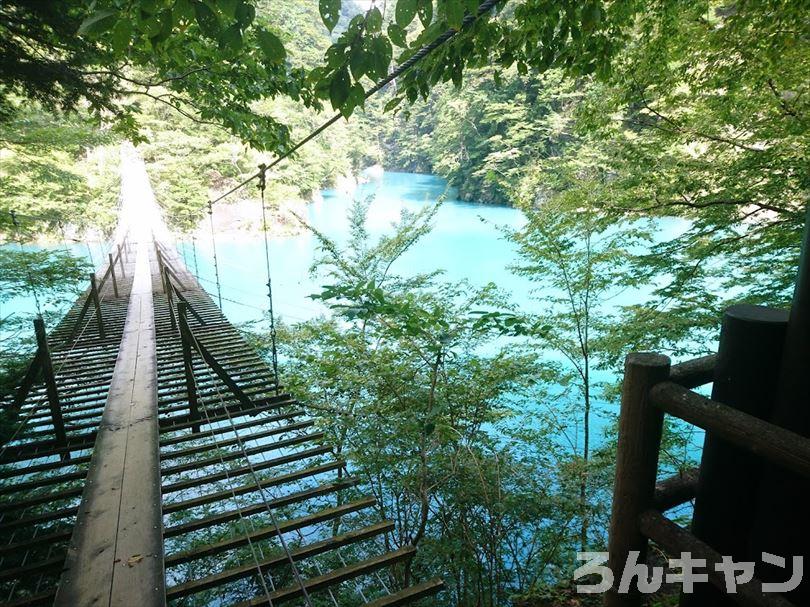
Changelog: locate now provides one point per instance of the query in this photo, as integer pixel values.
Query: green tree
(438, 418)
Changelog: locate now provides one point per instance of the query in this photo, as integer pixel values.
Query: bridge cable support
(273, 347)
(214, 249)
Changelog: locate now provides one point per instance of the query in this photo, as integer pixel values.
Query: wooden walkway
(192, 475)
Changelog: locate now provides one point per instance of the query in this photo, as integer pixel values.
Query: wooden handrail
(676, 490)
(695, 372)
(674, 539)
(780, 446)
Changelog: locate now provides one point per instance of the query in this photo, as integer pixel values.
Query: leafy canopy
(215, 60)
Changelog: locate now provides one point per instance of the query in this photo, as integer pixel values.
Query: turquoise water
(466, 243)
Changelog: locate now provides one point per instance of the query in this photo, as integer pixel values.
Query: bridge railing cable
(262, 489)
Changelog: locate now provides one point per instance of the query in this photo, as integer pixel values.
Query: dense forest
(597, 120)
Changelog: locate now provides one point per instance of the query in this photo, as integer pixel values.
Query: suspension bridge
(156, 458)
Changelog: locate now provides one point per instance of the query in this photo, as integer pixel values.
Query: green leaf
(245, 13)
(99, 22)
(339, 88)
(397, 35)
(228, 7)
(357, 98)
(271, 46)
(358, 61)
(393, 103)
(330, 13)
(591, 16)
(121, 35)
(405, 12)
(207, 19)
(381, 56)
(425, 12)
(231, 38)
(454, 13)
(374, 20)
(183, 9)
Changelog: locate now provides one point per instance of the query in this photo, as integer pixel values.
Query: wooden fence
(653, 388)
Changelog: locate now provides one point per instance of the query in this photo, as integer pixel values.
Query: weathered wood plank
(257, 535)
(409, 595)
(780, 446)
(675, 540)
(334, 577)
(116, 552)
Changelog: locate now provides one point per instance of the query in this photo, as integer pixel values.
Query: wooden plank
(780, 446)
(97, 304)
(327, 514)
(116, 552)
(675, 540)
(640, 428)
(335, 577)
(27, 382)
(225, 457)
(24, 545)
(221, 372)
(695, 372)
(309, 550)
(410, 594)
(36, 600)
(252, 487)
(220, 413)
(33, 568)
(226, 429)
(676, 490)
(36, 519)
(50, 382)
(279, 502)
(255, 467)
(236, 440)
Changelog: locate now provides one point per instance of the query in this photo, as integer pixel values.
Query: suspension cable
(273, 349)
(214, 249)
(255, 477)
(403, 67)
(194, 251)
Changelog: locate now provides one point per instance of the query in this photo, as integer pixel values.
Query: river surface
(466, 243)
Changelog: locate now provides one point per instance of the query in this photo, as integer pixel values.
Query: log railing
(96, 284)
(651, 389)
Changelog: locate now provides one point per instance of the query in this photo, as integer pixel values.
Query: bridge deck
(219, 491)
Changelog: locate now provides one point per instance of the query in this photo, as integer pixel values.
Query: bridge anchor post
(121, 261)
(112, 274)
(188, 364)
(640, 429)
(97, 304)
(167, 287)
(44, 356)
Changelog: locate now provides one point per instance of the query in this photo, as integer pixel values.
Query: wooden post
(640, 428)
(746, 373)
(160, 265)
(188, 364)
(112, 274)
(783, 528)
(121, 261)
(167, 288)
(97, 304)
(44, 355)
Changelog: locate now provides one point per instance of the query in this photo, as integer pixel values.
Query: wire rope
(256, 480)
(405, 66)
(214, 249)
(273, 348)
